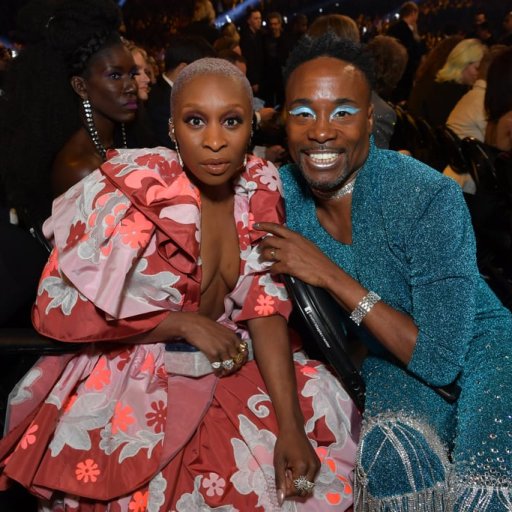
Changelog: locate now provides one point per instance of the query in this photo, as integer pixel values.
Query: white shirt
(467, 119)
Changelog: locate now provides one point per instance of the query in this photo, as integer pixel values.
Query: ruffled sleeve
(125, 250)
(259, 199)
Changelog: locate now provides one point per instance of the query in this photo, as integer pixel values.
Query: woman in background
(453, 80)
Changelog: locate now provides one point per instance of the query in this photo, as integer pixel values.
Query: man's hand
(295, 255)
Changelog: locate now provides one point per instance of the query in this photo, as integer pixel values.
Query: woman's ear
(78, 85)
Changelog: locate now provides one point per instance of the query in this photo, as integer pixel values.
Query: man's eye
(345, 111)
(303, 112)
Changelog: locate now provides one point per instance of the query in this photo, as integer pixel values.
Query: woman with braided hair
(65, 94)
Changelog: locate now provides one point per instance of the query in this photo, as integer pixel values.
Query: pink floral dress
(109, 428)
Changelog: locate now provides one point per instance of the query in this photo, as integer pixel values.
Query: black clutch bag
(323, 318)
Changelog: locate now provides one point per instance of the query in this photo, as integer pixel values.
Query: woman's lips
(132, 105)
(216, 167)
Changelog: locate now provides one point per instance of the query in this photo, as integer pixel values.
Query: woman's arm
(293, 455)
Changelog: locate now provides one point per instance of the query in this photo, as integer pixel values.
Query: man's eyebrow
(337, 101)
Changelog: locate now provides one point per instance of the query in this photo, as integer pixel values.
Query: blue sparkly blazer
(413, 244)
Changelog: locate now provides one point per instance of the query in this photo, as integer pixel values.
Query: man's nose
(322, 129)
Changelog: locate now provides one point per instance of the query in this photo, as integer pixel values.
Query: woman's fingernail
(280, 497)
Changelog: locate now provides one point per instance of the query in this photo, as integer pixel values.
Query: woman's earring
(91, 128)
(173, 138)
(245, 160)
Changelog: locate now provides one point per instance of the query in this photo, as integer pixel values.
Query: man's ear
(370, 118)
(78, 85)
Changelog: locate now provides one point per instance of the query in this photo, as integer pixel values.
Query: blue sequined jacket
(413, 244)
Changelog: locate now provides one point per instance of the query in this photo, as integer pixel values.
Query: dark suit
(251, 44)
(415, 50)
(159, 111)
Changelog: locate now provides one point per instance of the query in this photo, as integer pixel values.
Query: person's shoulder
(403, 173)
(158, 159)
(73, 162)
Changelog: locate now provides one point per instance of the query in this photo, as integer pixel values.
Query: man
(182, 51)
(251, 43)
(406, 31)
(276, 53)
(391, 240)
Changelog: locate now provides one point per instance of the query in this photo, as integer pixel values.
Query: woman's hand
(293, 457)
(218, 343)
(295, 255)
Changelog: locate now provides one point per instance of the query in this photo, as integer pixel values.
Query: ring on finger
(242, 347)
(216, 365)
(303, 485)
(228, 364)
(273, 254)
(239, 357)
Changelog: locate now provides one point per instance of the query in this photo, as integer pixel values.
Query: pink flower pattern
(214, 485)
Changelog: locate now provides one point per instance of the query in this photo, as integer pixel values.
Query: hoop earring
(172, 135)
(244, 164)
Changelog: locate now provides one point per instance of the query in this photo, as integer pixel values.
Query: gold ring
(239, 357)
(242, 347)
(273, 254)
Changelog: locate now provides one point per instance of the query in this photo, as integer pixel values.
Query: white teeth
(323, 158)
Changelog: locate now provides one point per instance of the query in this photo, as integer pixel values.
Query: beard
(325, 187)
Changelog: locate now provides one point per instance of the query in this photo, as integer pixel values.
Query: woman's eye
(232, 122)
(303, 112)
(194, 121)
(115, 75)
(345, 111)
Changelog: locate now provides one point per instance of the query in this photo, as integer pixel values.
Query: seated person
(157, 248)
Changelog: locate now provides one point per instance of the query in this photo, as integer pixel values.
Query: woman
(177, 229)
(453, 80)
(73, 84)
(427, 71)
(140, 57)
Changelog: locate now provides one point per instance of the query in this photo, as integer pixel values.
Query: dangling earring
(245, 160)
(91, 129)
(173, 138)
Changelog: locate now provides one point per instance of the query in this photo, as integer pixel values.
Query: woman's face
(470, 73)
(212, 118)
(109, 84)
(142, 78)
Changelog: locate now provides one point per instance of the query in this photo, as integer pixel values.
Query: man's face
(275, 26)
(254, 21)
(329, 121)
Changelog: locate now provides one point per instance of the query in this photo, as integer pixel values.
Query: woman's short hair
(466, 52)
(209, 66)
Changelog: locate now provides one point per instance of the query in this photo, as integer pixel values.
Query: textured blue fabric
(413, 244)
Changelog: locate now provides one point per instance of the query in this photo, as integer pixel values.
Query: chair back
(454, 151)
(481, 159)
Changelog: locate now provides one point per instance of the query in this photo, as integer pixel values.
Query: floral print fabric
(108, 428)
